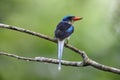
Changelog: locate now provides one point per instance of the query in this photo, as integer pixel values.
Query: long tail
(60, 51)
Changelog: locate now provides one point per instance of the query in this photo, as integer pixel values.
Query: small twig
(86, 60)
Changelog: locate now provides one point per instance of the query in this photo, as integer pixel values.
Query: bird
(62, 33)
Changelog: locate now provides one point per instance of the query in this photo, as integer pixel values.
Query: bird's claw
(66, 42)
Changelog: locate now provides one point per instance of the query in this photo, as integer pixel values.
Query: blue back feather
(70, 29)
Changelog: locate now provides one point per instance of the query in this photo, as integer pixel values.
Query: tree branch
(43, 59)
(85, 62)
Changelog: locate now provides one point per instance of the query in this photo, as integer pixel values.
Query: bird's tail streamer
(60, 51)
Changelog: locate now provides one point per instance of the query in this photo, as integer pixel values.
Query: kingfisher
(63, 32)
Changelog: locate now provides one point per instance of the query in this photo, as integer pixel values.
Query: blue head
(71, 18)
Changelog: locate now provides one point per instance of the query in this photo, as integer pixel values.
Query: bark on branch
(85, 62)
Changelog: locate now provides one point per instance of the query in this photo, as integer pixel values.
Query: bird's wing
(63, 30)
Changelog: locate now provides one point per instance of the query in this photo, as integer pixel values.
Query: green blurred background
(98, 34)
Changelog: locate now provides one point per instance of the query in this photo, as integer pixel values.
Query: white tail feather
(60, 51)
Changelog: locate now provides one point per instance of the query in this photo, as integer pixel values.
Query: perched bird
(63, 31)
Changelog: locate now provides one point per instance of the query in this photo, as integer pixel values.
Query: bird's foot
(66, 42)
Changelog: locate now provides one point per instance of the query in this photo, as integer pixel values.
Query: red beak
(77, 18)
